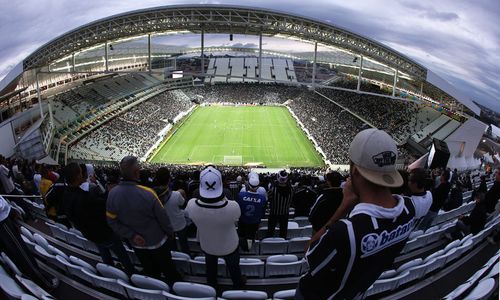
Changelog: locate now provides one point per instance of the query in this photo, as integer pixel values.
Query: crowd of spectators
(102, 203)
(328, 124)
(135, 131)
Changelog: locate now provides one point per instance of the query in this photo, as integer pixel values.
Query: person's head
(334, 179)
(44, 171)
(253, 181)
(373, 154)
(282, 177)
(129, 168)
(73, 174)
(211, 188)
(497, 174)
(417, 180)
(162, 177)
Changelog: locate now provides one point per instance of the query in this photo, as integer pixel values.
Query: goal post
(233, 160)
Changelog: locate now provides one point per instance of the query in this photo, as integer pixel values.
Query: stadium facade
(93, 50)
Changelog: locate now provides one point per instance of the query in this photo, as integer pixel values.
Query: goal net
(233, 160)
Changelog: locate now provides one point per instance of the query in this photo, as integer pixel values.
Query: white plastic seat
(41, 241)
(27, 233)
(494, 271)
(10, 287)
(33, 288)
(451, 255)
(285, 295)
(294, 232)
(199, 267)
(415, 272)
(293, 225)
(415, 234)
(273, 246)
(140, 293)
(76, 270)
(483, 290)
(82, 263)
(30, 244)
(244, 295)
(283, 265)
(410, 264)
(307, 230)
(146, 282)
(76, 240)
(298, 244)
(453, 244)
(75, 231)
(111, 272)
(302, 221)
(254, 249)
(170, 296)
(383, 285)
(109, 284)
(388, 274)
(57, 232)
(252, 267)
(54, 251)
(28, 297)
(182, 264)
(194, 290)
(11, 265)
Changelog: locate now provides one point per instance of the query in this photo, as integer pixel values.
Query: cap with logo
(374, 153)
(210, 183)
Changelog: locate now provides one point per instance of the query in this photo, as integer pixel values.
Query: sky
(457, 39)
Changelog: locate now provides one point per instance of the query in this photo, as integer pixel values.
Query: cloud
(458, 39)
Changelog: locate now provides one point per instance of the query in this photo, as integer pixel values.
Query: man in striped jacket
(280, 198)
(368, 230)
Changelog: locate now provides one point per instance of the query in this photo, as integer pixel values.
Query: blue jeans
(116, 245)
(232, 264)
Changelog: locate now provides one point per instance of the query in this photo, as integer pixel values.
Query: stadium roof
(222, 19)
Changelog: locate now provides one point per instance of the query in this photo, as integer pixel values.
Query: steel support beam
(149, 53)
(73, 62)
(395, 82)
(259, 63)
(314, 65)
(203, 52)
(360, 73)
(106, 56)
(39, 96)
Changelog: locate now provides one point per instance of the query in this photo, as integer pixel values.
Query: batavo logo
(385, 158)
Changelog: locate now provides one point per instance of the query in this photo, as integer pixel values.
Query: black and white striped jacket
(352, 254)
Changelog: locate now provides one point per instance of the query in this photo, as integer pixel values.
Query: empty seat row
(480, 285)
(418, 268)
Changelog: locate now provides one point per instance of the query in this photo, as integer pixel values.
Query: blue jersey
(252, 207)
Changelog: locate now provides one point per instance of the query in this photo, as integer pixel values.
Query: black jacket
(303, 200)
(325, 206)
(439, 196)
(87, 213)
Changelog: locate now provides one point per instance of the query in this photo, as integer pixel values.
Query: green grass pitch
(239, 135)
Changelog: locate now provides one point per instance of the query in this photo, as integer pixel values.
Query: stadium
(128, 91)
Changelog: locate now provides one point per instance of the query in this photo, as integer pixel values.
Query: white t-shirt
(422, 203)
(174, 211)
(216, 223)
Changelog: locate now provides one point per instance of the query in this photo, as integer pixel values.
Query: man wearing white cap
(216, 217)
(252, 178)
(368, 230)
(252, 205)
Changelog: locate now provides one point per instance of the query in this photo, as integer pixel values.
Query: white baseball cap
(374, 153)
(210, 183)
(253, 179)
(4, 209)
